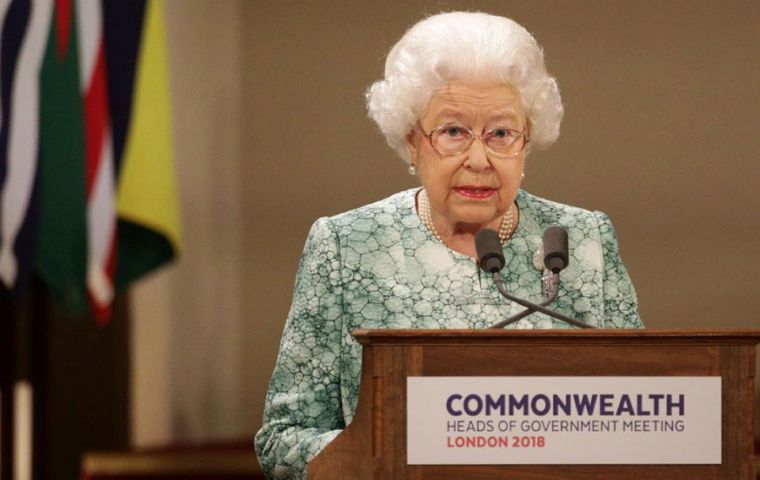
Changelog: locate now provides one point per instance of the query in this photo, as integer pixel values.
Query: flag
(25, 26)
(146, 200)
(62, 232)
(97, 181)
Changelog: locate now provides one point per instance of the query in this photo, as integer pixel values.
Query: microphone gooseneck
(528, 311)
(536, 307)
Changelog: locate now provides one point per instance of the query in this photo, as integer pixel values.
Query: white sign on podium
(563, 420)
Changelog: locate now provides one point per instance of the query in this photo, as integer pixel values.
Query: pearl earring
(412, 169)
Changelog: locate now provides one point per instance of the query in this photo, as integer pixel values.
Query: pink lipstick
(475, 192)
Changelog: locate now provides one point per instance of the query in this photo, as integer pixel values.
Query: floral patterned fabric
(379, 267)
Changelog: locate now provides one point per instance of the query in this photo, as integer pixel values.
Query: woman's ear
(411, 145)
(527, 135)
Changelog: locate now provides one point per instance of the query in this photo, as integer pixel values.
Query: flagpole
(7, 380)
(36, 363)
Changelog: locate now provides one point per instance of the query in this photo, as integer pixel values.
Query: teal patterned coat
(379, 267)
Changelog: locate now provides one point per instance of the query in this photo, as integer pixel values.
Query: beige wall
(661, 132)
(188, 371)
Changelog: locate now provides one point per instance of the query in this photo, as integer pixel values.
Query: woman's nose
(477, 156)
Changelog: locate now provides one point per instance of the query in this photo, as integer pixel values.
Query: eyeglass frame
(473, 137)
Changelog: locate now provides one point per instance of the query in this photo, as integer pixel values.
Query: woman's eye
(453, 131)
(500, 132)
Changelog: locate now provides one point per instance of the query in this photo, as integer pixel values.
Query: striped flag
(25, 25)
(86, 161)
(99, 163)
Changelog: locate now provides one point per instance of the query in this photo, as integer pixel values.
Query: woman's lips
(475, 192)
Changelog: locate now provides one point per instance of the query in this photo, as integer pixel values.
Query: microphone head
(555, 249)
(488, 246)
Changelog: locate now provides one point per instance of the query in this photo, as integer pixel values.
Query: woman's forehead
(464, 100)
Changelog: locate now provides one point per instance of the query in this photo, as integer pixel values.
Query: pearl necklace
(505, 229)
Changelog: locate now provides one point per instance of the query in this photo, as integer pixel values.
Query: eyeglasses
(452, 139)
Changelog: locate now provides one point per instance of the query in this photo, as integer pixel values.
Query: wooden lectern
(374, 446)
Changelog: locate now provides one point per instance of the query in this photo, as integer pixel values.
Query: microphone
(491, 259)
(488, 247)
(555, 249)
(555, 260)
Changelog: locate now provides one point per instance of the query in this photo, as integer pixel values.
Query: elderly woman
(465, 98)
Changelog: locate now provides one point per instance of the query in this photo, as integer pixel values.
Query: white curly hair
(463, 46)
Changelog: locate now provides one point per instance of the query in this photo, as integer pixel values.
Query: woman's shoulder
(548, 212)
(362, 233)
(391, 210)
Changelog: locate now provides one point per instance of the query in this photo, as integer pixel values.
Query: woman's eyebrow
(451, 112)
(502, 115)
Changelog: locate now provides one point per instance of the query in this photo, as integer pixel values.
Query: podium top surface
(598, 336)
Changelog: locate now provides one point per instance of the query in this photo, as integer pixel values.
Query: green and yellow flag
(87, 190)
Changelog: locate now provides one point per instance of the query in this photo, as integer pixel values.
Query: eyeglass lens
(454, 139)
